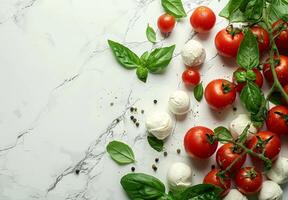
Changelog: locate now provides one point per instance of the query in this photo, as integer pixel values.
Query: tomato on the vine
(213, 178)
(200, 142)
(227, 154)
(191, 77)
(228, 40)
(281, 68)
(220, 93)
(277, 120)
(202, 19)
(262, 37)
(242, 76)
(282, 38)
(249, 180)
(267, 142)
(166, 23)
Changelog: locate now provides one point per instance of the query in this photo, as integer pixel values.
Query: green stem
(233, 163)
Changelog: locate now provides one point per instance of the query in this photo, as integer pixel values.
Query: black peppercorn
(156, 160)
(154, 167)
(137, 124)
(131, 117)
(178, 151)
(155, 101)
(165, 153)
(132, 169)
(77, 171)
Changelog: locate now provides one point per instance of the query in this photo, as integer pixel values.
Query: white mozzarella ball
(238, 125)
(179, 102)
(279, 171)
(179, 176)
(270, 191)
(235, 195)
(193, 53)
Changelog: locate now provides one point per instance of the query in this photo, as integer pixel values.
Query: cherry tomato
(220, 93)
(281, 70)
(277, 120)
(227, 154)
(265, 141)
(282, 39)
(227, 41)
(166, 23)
(202, 19)
(282, 98)
(262, 37)
(240, 85)
(249, 180)
(223, 183)
(200, 142)
(191, 77)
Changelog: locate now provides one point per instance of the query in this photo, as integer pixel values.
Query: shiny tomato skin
(258, 81)
(213, 179)
(226, 44)
(166, 23)
(282, 39)
(281, 71)
(191, 77)
(277, 120)
(202, 19)
(262, 38)
(196, 142)
(248, 185)
(217, 97)
(271, 149)
(226, 155)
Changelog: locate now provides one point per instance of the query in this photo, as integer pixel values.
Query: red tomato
(281, 71)
(268, 142)
(200, 142)
(226, 154)
(277, 120)
(282, 98)
(227, 41)
(213, 179)
(282, 39)
(166, 23)
(262, 37)
(220, 93)
(191, 77)
(240, 85)
(202, 19)
(249, 180)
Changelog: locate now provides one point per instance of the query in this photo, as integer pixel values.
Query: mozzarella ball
(179, 176)
(179, 102)
(159, 124)
(238, 125)
(270, 191)
(235, 195)
(279, 171)
(193, 53)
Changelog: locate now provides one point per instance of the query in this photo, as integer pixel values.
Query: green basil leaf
(225, 11)
(124, 56)
(277, 9)
(275, 98)
(251, 97)
(144, 57)
(254, 10)
(142, 73)
(248, 54)
(159, 59)
(139, 186)
(237, 16)
(120, 152)
(155, 143)
(260, 116)
(174, 7)
(232, 11)
(250, 75)
(222, 134)
(198, 92)
(240, 76)
(150, 34)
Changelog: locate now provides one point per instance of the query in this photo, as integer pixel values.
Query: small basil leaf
(275, 98)
(222, 134)
(225, 11)
(260, 116)
(144, 57)
(142, 73)
(159, 59)
(277, 9)
(254, 10)
(150, 34)
(240, 76)
(155, 143)
(120, 152)
(139, 186)
(174, 7)
(250, 75)
(198, 92)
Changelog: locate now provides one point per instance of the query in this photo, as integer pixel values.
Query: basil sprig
(153, 62)
(150, 34)
(155, 143)
(174, 7)
(120, 152)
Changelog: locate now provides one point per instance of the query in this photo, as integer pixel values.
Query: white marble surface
(57, 81)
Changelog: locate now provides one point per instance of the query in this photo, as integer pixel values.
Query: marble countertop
(64, 97)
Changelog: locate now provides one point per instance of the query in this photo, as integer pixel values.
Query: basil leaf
(198, 92)
(222, 134)
(155, 143)
(254, 10)
(120, 152)
(232, 11)
(200, 192)
(144, 57)
(275, 98)
(251, 97)
(248, 54)
(240, 76)
(174, 7)
(259, 117)
(250, 75)
(277, 9)
(139, 186)
(142, 73)
(150, 34)
(159, 59)
(124, 56)
(225, 11)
